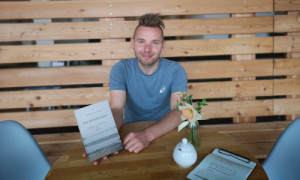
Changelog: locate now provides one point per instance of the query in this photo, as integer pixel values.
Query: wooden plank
(56, 97)
(285, 5)
(259, 150)
(287, 66)
(110, 62)
(124, 29)
(238, 108)
(56, 138)
(61, 118)
(242, 57)
(287, 44)
(84, 96)
(65, 52)
(120, 50)
(293, 55)
(258, 143)
(257, 138)
(119, 8)
(231, 89)
(217, 47)
(227, 69)
(286, 106)
(23, 77)
(66, 31)
(54, 145)
(55, 151)
(248, 127)
(42, 119)
(286, 23)
(99, 74)
(286, 86)
(213, 26)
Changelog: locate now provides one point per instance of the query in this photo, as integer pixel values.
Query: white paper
(98, 130)
(222, 165)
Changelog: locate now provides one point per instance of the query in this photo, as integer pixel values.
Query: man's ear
(132, 42)
(163, 44)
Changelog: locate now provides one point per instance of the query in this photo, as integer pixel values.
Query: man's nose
(148, 47)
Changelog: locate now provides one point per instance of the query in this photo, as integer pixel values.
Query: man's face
(147, 45)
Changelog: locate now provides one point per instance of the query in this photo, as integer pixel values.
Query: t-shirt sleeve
(179, 80)
(117, 77)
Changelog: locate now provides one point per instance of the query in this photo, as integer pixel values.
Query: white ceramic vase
(184, 154)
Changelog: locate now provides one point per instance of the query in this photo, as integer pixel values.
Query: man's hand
(136, 141)
(97, 161)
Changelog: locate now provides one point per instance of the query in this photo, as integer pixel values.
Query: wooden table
(154, 162)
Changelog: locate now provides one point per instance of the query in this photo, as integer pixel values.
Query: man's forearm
(118, 116)
(169, 122)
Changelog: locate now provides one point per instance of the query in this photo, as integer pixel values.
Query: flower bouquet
(190, 116)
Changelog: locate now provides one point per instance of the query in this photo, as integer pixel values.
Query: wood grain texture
(230, 89)
(221, 109)
(287, 106)
(100, 74)
(286, 23)
(287, 44)
(257, 138)
(286, 86)
(26, 77)
(225, 69)
(53, 97)
(225, 109)
(287, 66)
(284, 5)
(84, 96)
(42, 118)
(124, 29)
(154, 162)
(120, 50)
(119, 8)
(65, 52)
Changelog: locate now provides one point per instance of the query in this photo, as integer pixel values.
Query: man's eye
(156, 43)
(140, 42)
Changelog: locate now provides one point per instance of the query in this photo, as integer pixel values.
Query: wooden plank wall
(288, 66)
(243, 56)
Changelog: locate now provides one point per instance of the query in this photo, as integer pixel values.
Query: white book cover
(98, 130)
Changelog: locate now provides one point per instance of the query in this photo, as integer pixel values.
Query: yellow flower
(190, 114)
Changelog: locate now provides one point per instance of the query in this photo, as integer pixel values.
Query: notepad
(98, 130)
(221, 164)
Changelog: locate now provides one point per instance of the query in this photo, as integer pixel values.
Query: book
(98, 130)
(221, 164)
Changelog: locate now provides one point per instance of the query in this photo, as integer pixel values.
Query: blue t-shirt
(147, 96)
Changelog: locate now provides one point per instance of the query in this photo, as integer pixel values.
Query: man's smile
(147, 56)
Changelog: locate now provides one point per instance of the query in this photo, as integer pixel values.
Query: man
(146, 88)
